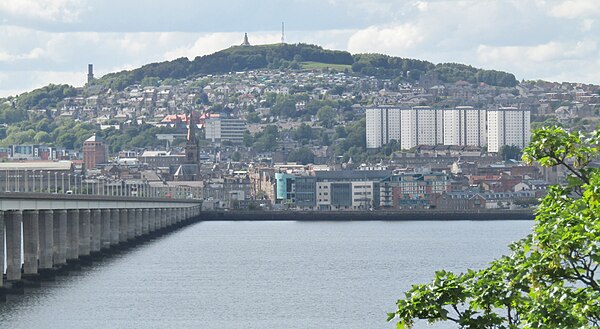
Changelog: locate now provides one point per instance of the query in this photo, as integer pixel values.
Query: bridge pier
(12, 223)
(96, 231)
(30, 244)
(153, 224)
(84, 245)
(46, 244)
(130, 224)
(72, 235)
(2, 290)
(122, 225)
(145, 221)
(138, 223)
(1, 251)
(105, 229)
(59, 249)
(168, 216)
(115, 227)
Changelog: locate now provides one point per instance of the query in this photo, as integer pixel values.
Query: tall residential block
(419, 125)
(382, 125)
(465, 125)
(508, 126)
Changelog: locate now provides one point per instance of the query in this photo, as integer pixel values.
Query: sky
(52, 41)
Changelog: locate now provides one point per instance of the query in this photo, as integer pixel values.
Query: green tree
(302, 155)
(549, 280)
(326, 116)
(508, 152)
(253, 117)
(303, 133)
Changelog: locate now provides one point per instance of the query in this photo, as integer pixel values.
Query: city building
(465, 126)
(219, 130)
(30, 152)
(190, 169)
(95, 152)
(382, 126)
(419, 125)
(38, 176)
(508, 126)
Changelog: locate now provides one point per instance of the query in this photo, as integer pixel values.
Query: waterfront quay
(406, 215)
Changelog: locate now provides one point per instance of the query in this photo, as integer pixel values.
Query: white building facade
(222, 129)
(508, 126)
(383, 125)
(465, 126)
(419, 125)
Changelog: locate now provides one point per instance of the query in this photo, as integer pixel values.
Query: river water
(262, 275)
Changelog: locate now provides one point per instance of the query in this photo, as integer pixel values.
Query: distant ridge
(291, 56)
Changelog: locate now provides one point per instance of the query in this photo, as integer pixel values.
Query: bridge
(43, 235)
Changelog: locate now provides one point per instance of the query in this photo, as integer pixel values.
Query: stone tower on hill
(245, 43)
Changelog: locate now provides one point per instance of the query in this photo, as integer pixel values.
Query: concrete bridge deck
(46, 234)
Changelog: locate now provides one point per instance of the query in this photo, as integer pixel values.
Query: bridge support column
(12, 222)
(1, 251)
(30, 241)
(164, 213)
(138, 222)
(105, 229)
(122, 225)
(164, 218)
(46, 240)
(131, 224)
(152, 225)
(96, 230)
(84, 232)
(72, 234)
(115, 226)
(59, 228)
(145, 221)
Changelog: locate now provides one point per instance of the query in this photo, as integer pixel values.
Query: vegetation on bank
(549, 280)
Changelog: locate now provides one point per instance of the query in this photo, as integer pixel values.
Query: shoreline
(421, 215)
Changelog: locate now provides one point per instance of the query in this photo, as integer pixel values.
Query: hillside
(304, 56)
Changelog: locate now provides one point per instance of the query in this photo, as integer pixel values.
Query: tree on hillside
(508, 152)
(302, 155)
(326, 116)
(303, 133)
(549, 280)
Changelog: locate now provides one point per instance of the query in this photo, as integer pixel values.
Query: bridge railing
(54, 182)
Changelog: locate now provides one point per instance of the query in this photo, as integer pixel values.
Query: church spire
(191, 145)
(191, 133)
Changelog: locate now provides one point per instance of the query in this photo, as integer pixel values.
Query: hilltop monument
(245, 43)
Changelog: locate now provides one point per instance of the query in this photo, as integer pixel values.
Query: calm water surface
(262, 275)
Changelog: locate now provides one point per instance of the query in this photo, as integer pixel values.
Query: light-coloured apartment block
(465, 125)
(508, 126)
